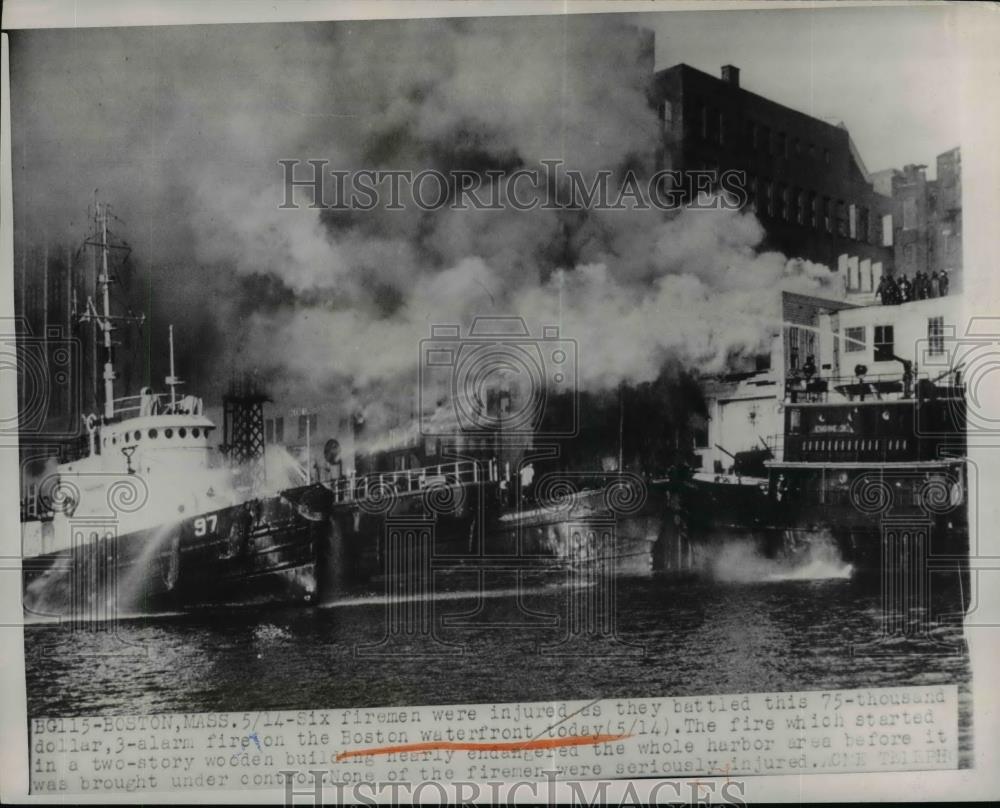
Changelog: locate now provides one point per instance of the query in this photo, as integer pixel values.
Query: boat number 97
(205, 524)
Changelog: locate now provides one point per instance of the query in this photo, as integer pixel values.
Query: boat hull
(473, 530)
(882, 521)
(264, 550)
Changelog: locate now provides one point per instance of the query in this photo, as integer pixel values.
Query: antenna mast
(172, 380)
(104, 319)
(103, 282)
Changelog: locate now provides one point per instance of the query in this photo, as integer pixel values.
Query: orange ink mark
(511, 746)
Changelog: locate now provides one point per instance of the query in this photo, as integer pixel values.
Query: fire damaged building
(805, 180)
(926, 215)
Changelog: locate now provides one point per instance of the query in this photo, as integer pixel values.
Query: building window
(800, 347)
(813, 213)
(700, 437)
(826, 156)
(721, 122)
(768, 197)
(269, 430)
(827, 220)
(797, 146)
(935, 335)
(841, 218)
(703, 120)
(752, 193)
(884, 347)
(854, 339)
(782, 201)
(667, 115)
(812, 151)
(793, 348)
(800, 206)
(305, 420)
(279, 430)
(866, 276)
(782, 144)
(864, 225)
(887, 240)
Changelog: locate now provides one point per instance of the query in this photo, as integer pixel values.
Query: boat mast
(172, 380)
(104, 319)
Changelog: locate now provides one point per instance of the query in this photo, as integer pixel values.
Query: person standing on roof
(905, 289)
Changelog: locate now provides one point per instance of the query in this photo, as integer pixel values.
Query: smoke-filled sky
(181, 129)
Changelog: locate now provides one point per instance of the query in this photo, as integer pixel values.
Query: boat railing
(135, 406)
(870, 387)
(156, 404)
(383, 484)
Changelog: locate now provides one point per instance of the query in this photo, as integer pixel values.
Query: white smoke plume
(703, 313)
(333, 304)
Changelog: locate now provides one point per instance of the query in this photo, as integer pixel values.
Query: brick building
(927, 215)
(804, 177)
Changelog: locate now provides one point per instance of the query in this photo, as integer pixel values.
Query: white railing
(381, 484)
(156, 404)
(131, 406)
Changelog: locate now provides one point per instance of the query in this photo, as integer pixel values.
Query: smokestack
(731, 75)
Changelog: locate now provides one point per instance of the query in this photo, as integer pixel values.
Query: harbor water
(665, 637)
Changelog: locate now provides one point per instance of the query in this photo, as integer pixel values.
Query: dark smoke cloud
(182, 129)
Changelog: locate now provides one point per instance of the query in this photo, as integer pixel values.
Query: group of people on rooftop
(892, 291)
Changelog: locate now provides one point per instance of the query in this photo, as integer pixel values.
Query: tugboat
(146, 518)
(871, 466)
(878, 462)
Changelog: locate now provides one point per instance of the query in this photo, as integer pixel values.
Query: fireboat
(873, 466)
(146, 517)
